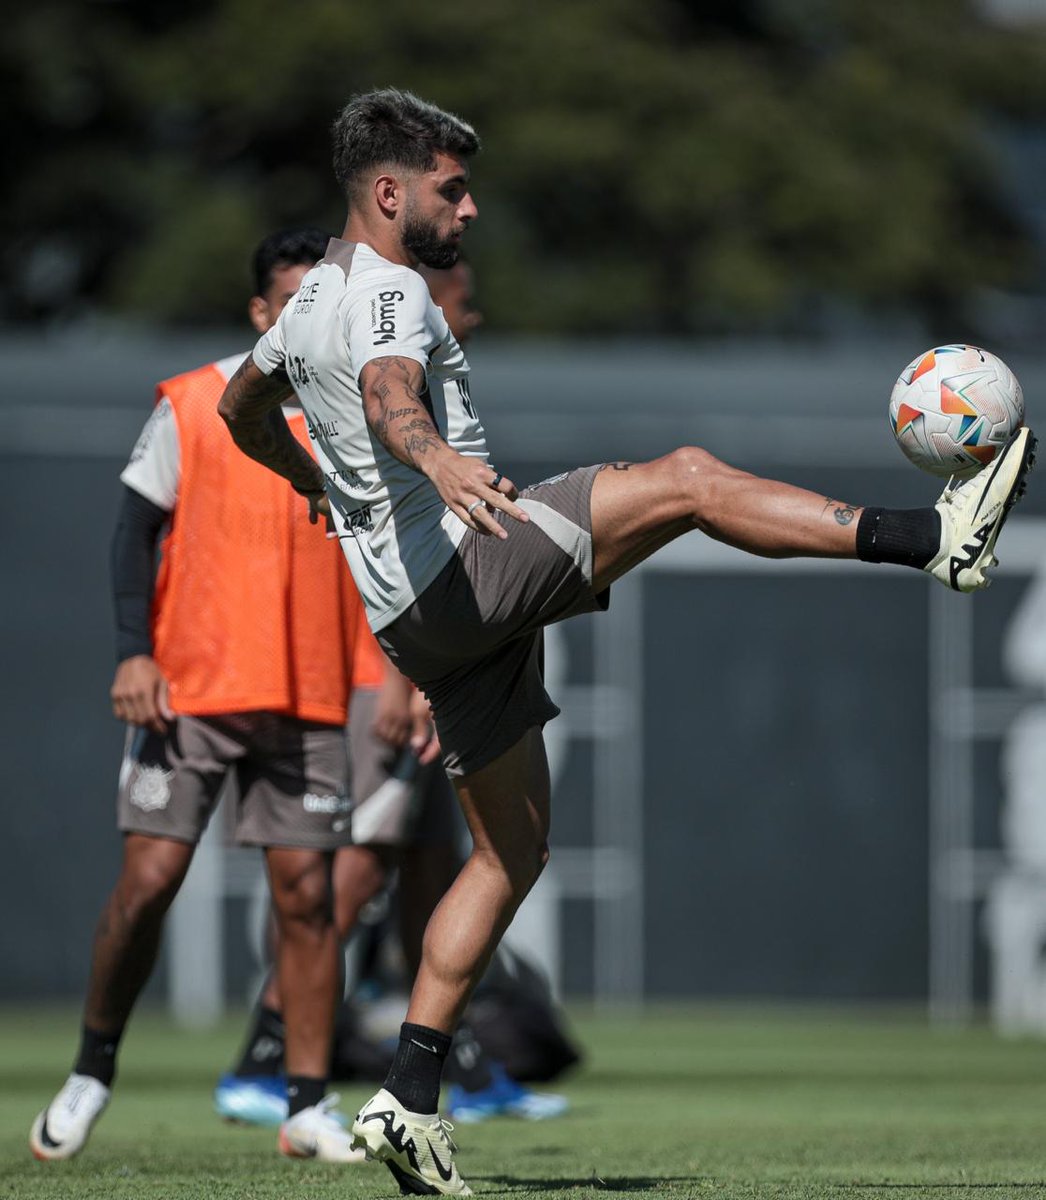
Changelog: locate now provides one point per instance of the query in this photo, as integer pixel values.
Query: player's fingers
(504, 485)
(429, 751)
(483, 520)
(503, 502)
(163, 701)
(135, 708)
(147, 714)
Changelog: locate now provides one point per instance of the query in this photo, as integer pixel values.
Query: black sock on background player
(97, 1055)
(263, 1051)
(468, 1064)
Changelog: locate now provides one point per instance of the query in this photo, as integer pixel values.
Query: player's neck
(382, 238)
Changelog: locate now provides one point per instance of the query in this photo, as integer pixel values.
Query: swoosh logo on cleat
(956, 564)
(45, 1133)
(394, 1136)
(988, 485)
(444, 1172)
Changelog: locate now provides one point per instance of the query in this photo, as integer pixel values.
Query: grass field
(739, 1103)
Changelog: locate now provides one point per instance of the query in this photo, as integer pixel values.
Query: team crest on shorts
(151, 789)
(551, 479)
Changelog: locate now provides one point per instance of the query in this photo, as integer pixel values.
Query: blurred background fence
(747, 762)
(726, 224)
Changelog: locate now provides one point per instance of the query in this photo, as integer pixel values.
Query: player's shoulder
(370, 271)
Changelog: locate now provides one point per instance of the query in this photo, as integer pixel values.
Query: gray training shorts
(291, 780)
(472, 640)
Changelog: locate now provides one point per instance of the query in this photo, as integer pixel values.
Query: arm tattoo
(844, 513)
(250, 407)
(396, 412)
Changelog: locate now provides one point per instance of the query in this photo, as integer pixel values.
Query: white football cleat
(416, 1147)
(973, 512)
(62, 1129)
(316, 1132)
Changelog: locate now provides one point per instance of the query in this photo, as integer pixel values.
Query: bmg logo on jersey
(383, 316)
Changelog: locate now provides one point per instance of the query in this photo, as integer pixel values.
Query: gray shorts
(291, 779)
(395, 802)
(472, 640)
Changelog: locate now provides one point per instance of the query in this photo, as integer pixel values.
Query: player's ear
(388, 193)
(258, 312)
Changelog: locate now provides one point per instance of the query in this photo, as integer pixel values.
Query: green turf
(691, 1103)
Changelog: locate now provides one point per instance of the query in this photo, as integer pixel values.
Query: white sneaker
(61, 1130)
(973, 512)
(316, 1132)
(416, 1147)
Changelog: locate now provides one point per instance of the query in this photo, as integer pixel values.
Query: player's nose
(467, 210)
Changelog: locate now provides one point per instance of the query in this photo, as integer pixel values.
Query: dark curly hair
(393, 128)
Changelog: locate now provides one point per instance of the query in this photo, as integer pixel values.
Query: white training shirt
(353, 307)
(154, 469)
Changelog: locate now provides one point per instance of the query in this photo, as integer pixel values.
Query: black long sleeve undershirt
(132, 564)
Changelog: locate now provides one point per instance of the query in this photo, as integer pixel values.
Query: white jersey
(353, 307)
(155, 466)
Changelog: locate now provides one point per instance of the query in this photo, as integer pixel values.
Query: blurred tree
(652, 166)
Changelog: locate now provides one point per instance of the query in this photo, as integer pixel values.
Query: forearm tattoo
(251, 409)
(397, 413)
(844, 513)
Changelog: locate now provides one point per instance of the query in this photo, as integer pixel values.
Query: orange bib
(254, 607)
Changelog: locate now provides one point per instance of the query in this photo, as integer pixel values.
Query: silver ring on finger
(472, 507)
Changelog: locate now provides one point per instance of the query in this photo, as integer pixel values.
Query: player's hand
(320, 506)
(474, 490)
(392, 717)
(424, 740)
(139, 694)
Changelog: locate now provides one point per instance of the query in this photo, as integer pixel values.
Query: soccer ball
(953, 408)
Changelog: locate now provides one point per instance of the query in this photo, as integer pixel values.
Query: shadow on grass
(632, 1183)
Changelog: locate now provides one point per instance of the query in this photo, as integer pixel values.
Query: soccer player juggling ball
(459, 570)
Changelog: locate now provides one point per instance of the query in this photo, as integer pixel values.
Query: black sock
(467, 1063)
(263, 1051)
(303, 1091)
(97, 1056)
(414, 1076)
(909, 537)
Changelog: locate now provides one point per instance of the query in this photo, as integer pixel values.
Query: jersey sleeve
(155, 466)
(270, 350)
(393, 317)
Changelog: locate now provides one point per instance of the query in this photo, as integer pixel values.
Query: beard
(423, 241)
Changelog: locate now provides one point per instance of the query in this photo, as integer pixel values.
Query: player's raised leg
(506, 804)
(125, 946)
(639, 507)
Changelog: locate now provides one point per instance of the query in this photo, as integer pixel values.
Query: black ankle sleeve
(908, 537)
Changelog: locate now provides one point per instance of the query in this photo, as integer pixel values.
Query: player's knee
(305, 898)
(693, 467)
(148, 888)
(697, 476)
